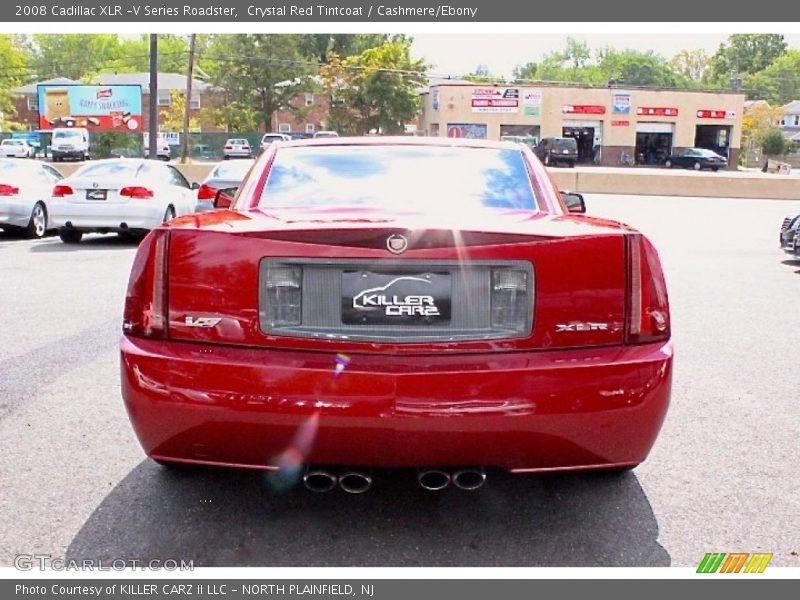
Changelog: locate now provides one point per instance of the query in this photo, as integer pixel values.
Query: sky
(459, 54)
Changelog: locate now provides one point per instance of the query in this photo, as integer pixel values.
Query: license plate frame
(97, 195)
(389, 297)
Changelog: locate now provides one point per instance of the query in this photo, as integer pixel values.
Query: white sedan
(15, 149)
(121, 195)
(25, 189)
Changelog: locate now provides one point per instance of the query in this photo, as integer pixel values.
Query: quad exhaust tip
(319, 480)
(470, 478)
(355, 482)
(433, 479)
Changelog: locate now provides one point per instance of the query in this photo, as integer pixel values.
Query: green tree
(375, 90)
(250, 67)
(318, 46)
(526, 72)
(772, 142)
(746, 53)
(13, 73)
(172, 117)
(74, 55)
(783, 75)
(692, 65)
(636, 68)
(173, 55)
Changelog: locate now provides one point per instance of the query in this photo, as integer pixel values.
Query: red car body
(586, 385)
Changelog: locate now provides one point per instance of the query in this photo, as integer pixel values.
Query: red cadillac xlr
(408, 302)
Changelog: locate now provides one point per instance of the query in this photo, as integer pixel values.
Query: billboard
(495, 100)
(96, 107)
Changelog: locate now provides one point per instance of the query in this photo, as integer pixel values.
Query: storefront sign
(620, 123)
(532, 103)
(495, 100)
(657, 111)
(621, 104)
(435, 98)
(584, 109)
(472, 131)
(716, 114)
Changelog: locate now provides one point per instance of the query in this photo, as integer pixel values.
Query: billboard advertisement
(96, 107)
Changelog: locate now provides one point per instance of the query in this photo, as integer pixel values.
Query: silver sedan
(25, 190)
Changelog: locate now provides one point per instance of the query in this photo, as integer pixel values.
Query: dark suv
(555, 150)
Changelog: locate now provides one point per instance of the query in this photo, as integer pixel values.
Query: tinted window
(565, 143)
(66, 134)
(413, 178)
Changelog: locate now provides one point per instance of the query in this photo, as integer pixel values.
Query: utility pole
(153, 129)
(188, 107)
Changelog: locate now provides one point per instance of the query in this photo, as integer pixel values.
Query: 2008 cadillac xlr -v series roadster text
(382, 302)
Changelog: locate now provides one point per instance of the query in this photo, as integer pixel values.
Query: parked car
(270, 138)
(557, 150)
(163, 151)
(121, 195)
(300, 135)
(25, 194)
(337, 316)
(224, 176)
(789, 227)
(70, 142)
(237, 148)
(697, 159)
(796, 243)
(326, 134)
(11, 148)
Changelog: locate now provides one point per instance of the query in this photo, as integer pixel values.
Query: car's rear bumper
(530, 411)
(15, 213)
(141, 215)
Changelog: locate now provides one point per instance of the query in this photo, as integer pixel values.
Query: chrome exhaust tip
(433, 479)
(470, 478)
(355, 482)
(319, 480)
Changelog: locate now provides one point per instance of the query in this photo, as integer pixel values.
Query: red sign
(584, 109)
(620, 123)
(716, 114)
(657, 111)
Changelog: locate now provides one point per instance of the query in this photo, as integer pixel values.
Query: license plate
(565, 152)
(96, 194)
(396, 298)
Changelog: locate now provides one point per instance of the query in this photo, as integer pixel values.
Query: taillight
(284, 295)
(228, 147)
(647, 310)
(60, 191)
(206, 192)
(8, 190)
(146, 300)
(136, 191)
(511, 299)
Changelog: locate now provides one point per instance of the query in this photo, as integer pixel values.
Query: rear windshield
(232, 169)
(66, 134)
(565, 143)
(413, 178)
(121, 167)
(12, 143)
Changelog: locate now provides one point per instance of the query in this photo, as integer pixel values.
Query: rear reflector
(8, 190)
(145, 302)
(60, 191)
(206, 192)
(647, 303)
(136, 192)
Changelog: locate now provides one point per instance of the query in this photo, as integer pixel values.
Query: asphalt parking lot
(723, 476)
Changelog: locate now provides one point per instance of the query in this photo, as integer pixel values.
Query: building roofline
(564, 84)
